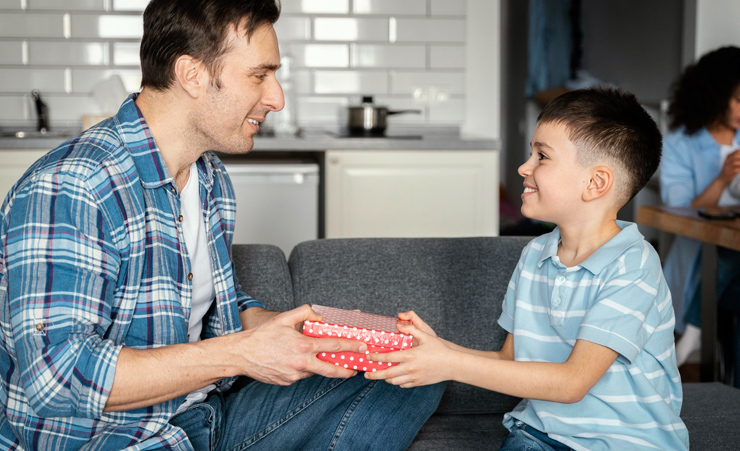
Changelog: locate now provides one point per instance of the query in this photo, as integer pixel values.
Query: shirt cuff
(100, 367)
(620, 344)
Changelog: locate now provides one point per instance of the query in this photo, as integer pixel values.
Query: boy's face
(554, 180)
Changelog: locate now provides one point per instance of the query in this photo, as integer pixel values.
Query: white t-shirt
(194, 233)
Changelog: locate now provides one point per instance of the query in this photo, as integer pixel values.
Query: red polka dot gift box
(378, 331)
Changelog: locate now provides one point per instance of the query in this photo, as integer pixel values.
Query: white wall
(717, 25)
(343, 49)
(483, 74)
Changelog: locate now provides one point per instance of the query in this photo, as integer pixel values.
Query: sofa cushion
(263, 273)
(457, 285)
(460, 432)
(711, 412)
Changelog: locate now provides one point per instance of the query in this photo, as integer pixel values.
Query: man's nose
(273, 97)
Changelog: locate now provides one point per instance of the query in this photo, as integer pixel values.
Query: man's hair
(198, 28)
(610, 125)
(701, 95)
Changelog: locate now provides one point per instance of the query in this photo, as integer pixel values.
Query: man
(122, 323)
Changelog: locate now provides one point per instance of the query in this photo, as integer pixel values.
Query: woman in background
(700, 162)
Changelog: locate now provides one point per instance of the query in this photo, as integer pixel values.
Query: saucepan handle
(389, 112)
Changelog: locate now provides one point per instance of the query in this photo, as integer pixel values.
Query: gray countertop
(321, 140)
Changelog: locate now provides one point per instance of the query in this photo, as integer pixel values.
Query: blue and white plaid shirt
(93, 259)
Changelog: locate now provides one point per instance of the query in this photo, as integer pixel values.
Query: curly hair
(702, 93)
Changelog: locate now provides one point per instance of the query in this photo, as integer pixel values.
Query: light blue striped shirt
(616, 298)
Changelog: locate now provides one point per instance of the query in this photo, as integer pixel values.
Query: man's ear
(191, 75)
(602, 179)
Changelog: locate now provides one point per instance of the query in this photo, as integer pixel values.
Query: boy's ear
(602, 179)
(191, 75)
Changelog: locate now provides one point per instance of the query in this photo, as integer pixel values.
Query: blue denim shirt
(93, 259)
(688, 165)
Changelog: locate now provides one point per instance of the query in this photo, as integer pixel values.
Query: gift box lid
(368, 327)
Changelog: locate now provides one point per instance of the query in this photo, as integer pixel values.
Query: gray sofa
(456, 285)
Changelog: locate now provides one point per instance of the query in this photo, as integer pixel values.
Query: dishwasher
(277, 202)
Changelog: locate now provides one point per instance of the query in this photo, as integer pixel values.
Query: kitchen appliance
(277, 202)
(369, 119)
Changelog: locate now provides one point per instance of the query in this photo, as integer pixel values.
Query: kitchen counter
(320, 140)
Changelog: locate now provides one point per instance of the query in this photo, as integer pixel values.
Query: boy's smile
(554, 180)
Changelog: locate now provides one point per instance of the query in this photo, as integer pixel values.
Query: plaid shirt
(92, 259)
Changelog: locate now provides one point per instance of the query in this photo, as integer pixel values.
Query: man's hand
(275, 351)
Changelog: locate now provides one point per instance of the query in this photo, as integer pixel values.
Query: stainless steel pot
(369, 119)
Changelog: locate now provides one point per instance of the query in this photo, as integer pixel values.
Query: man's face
(554, 180)
(231, 114)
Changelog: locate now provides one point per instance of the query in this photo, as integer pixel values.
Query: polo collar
(605, 255)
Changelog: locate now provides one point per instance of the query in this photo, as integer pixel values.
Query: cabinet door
(411, 193)
(13, 163)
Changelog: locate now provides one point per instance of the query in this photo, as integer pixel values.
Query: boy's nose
(525, 169)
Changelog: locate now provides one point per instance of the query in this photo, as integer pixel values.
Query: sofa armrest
(263, 273)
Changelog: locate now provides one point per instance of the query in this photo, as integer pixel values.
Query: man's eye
(542, 156)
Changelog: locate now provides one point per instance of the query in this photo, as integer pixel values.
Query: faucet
(42, 112)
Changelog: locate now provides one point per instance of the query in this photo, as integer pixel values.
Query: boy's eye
(542, 156)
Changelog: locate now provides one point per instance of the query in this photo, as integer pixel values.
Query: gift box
(378, 331)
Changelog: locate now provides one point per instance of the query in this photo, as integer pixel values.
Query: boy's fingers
(396, 357)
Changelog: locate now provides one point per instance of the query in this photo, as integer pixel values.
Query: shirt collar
(606, 254)
(705, 142)
(147, 158)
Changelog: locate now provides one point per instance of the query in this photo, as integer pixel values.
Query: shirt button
(180, 218)
(174, 190)
(556, 301)
(560, 280)
(40, 327)
(190, 276)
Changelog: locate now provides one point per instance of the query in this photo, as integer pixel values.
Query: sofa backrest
(456, 285)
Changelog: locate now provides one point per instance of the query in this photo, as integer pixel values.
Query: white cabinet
(411, 193)
(13, 163)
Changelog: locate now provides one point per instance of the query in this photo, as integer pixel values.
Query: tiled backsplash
(406, 53)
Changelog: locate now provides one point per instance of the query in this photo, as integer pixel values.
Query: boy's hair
(610, 124)
(198, 28)
(701, 95)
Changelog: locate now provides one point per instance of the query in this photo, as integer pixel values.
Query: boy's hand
(425, 364)
(418, 322)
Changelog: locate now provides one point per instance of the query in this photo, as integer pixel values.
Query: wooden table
(685, 221)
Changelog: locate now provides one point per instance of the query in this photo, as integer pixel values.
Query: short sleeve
(625, 313)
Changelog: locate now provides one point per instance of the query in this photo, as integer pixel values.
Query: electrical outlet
(431, 94)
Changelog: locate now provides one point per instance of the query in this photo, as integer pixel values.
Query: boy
(590, 345)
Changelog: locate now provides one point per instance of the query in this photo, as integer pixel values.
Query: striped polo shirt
(616, 298)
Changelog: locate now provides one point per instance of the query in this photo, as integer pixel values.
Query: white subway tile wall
(408, 54)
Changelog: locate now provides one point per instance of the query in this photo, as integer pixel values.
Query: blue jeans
(526, 438)
(316, 413)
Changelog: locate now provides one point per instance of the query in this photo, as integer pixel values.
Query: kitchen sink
(30, 134)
